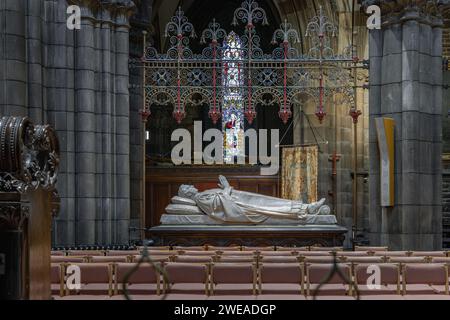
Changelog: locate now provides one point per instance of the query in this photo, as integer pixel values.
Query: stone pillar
(59, 76)
(122, 126)
(85, 127)
(405, 84)
(13, 58)
(105, 134)
(76, 80)
(35, 24)
(139, 23)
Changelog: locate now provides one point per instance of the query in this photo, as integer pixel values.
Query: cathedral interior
(116, 89)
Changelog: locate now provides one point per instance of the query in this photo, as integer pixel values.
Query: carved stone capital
(89, 8)
(123, 10)
(115, 11)
(432, 12)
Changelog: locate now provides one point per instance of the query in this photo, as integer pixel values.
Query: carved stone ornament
(29, 155)
(433, 12)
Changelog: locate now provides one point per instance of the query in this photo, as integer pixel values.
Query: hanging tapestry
(299, 173)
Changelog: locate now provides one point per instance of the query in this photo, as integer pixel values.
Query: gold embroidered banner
(299, 173)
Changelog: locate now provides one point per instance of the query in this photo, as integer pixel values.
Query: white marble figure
(228, 205)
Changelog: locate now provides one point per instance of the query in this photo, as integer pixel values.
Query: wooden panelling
(163, 183)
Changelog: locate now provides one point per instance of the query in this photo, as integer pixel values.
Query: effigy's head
(324, 210)
(187, 191)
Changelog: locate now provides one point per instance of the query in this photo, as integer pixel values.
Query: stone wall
(76, 80)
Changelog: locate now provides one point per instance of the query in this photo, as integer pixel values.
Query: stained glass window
(232, 107)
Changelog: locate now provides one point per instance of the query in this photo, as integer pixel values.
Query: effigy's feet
(315, 206)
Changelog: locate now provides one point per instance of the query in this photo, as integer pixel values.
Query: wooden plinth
(332, 235)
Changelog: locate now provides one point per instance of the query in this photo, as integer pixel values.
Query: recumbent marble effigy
(228, 206)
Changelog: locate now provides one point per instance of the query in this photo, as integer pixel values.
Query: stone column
(85, 127)
(13, 65)
(122, 126)
(105, 134)
(59, 77)
(405, 84)
(139, 23)
(35, 24)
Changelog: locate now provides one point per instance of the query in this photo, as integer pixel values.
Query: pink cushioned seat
(392, 253)
(57, 253)
(327, 249)
(61, 259)
(372, 249)
(374, 260)
(279, 253)
(237, 253)
(445, 260)
(106, 259)
(292, 248)
(322, 259)
(288, 277)
(233, 278)
(237, 259)
(154, 248)
(193, 276)
(122, 252)
(429, 254)
(353, 253)
(96, 279)
(143, 280)
(314, 253)
(279, 259)
(83, 253)
(196, 253)
(193, 259)
(316, 273)
(190, 248)
(425, 278)
(154, 258)
(219, 248)
(407, 259)
(389, 278)
(258, 249)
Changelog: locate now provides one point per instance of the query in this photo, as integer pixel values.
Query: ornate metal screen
(181, 78)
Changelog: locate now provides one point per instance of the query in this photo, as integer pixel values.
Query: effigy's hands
(223, 182)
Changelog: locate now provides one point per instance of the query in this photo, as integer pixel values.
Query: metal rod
(355, 165)
(144, 125)
(335, 159)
